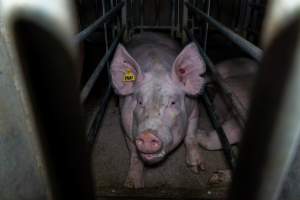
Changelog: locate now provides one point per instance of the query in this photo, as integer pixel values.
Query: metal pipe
(173, 18)
(206, 26)
(273, 126)
(93, 78)
(105, 29)
(230, 98)
(141, 12)
(46, 59)
(185, 15)
(213, 116)
(230, 157)
(91, 28)
(157, 14)
(245, 45)
(99, 114)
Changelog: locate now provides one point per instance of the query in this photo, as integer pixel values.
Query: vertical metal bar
(173, 29)
(229, 155)
(52, 93)
(273, 126)
(192, 19)
(206, 26)
(18, 144)
(124, 18)
(113, 23)
(178, 33)
(105, 30)
(156, 11)
(142, 14)
(237, 12)
(184, 22)
(244, 44)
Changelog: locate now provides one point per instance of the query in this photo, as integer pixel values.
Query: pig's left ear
(188, 68)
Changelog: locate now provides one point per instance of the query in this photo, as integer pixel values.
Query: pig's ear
(187, 70)
(123, 65)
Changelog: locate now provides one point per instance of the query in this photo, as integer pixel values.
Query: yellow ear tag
(129, 76)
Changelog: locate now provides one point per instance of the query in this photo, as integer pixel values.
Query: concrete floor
(111, 160)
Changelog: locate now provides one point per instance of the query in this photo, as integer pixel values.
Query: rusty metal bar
(245, 45)
(105, 18)
(90, 83)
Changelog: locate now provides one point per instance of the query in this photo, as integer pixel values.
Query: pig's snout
(148, 143)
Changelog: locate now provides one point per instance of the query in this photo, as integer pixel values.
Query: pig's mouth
(153, 157)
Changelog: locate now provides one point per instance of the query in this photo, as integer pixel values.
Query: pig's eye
(173, 103)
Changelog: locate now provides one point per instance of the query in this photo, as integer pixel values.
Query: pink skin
(239, 75)
(156, 112)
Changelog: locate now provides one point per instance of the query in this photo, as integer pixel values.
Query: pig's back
(152, 51)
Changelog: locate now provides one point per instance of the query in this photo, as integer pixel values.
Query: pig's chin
(151, 159)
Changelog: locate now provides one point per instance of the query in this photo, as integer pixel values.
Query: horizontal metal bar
(207, 193)
(99, 114)
(231, 98)
(153, 27)
(91, 28)
(90, 83)
(252, 50)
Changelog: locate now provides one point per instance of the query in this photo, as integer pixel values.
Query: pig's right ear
(125, 72)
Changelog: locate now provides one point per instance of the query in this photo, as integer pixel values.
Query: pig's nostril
(154, 142)
(139, 142)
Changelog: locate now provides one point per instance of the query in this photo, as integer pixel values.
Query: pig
(158, 84)
(238, 74)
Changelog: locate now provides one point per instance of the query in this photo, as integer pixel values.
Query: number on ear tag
(129, 76)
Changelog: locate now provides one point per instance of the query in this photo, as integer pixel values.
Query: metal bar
(113, 26)
(245, 45)
(91, 28)
(157, 14)
(211, 111)
(273, 126)
(185, 15)
(52, 97)
(173, 18)
(142, 14)
(213, 116)
(206, 26)
(124, 19)
(16, 130)
(97, 118)
(231, 99)
(90, 83)
(105, 29)
(152, 27)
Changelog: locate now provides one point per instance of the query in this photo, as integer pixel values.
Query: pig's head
(158, 117)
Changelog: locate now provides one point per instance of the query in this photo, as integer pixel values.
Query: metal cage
(49, 103)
